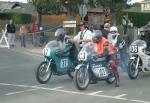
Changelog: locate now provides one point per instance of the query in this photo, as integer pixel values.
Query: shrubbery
(139, 19)
(19, 18)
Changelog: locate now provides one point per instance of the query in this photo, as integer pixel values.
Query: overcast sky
(133, 1)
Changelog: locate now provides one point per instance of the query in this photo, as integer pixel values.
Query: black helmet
(97, 35)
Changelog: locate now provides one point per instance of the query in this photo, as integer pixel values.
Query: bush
(17, 17)
(139, 19)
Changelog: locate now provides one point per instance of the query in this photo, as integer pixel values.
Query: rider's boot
(114, 67)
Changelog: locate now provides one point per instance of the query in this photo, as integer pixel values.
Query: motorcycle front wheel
(111, 78)
(132, 70)
(82, 78)
(43, 73)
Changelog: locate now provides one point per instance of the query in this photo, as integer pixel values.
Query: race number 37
(64, 63)
(133, 48)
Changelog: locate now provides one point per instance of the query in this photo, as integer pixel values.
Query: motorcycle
(54, 64)
(88, 65)
(139, 59)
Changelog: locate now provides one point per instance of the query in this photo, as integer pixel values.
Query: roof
(26, 8)
(135, 8)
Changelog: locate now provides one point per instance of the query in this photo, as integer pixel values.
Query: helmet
(142, 29)
(97, 36)
(60, 32)
(113, 28)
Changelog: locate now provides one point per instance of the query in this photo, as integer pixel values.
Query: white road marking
(57, 88)
(12, 93)
(119, 96)
(93, 93)
(73, 92)
(29, 90)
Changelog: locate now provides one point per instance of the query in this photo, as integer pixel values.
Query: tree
(45, 7)
(115, 6)
(72, 6)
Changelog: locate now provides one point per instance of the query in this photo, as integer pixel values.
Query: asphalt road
(18, 84)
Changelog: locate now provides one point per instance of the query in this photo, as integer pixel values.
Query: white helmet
(60, 32)
(113, 28)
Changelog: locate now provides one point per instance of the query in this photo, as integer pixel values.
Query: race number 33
(64, 63)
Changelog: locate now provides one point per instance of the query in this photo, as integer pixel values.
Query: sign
(83, 10)
(69, 24)
(4, 38)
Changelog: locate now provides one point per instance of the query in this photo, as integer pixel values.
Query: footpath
(28, 50)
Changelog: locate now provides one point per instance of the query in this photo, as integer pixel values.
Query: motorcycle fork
(49, 63)
(138, 59)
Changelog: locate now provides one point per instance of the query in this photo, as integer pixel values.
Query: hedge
(139, 19)
(19, 18)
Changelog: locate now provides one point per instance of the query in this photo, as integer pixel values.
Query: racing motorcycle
(139, 59)
(55, 64)
(88, 64)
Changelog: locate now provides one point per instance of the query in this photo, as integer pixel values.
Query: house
(145, 6)
(26, 8)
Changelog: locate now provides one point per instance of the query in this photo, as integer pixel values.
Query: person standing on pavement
(23, 34)
(34, 28)
(117, 41)
(106, 29)
(11, 30)
(125, 24)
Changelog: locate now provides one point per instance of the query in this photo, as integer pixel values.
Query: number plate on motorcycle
(102, 72)
(133, 48)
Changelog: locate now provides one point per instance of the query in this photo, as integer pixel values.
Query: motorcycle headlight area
(82, 56)
(133, 48)
(46, 51)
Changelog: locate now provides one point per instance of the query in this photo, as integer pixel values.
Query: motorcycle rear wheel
(81, 78)
(42, 75)
(132, 71)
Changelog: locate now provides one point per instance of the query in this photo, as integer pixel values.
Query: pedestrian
(11, 30)
(106, 29)
(23, 34)
(117, 41)
(34, 28)
(125, 24)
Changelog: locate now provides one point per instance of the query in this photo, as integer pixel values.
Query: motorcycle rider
(104, 48)
(63, 40)
(145, 35)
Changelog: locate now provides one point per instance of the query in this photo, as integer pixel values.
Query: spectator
(23, 34)
(130, 23)
(124, 24)
(34, 28)
(115, 38)
(11, 30)
(105, 31)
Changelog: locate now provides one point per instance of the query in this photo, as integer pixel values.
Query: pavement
(28, 50)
